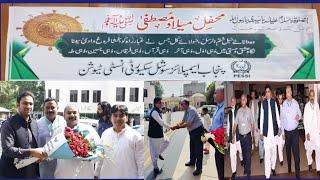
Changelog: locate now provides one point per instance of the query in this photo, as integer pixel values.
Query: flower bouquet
(217, 136)
(219, 139)
(68, 144)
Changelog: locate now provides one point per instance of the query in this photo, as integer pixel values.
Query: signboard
(86, 43)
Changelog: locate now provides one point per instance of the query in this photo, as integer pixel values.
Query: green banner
(164, 45)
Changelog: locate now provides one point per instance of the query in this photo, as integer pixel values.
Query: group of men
(270, 124)
(22, 137)
(192, 121)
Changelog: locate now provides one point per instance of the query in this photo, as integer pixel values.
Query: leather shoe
(310, 167)
(157, 171)
(189, 164)
(318, 173)
(273, 172)
(233, 175)
(160, 157)
(281, 163)
(261, 160)
(197, 172)
(241, 163)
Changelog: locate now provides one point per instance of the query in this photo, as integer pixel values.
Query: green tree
(210, 93)
(158, 88)
(8, 95)
(36, 87)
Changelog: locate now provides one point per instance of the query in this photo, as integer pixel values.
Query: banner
(90, 43)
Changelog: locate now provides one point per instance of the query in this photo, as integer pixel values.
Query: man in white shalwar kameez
(76, 169)
(253, 105)
(312, 129)
(280, 140)
(234, 147)
(123, 149)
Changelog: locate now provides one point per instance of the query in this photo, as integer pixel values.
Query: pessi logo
(241, 69)
(46, 29)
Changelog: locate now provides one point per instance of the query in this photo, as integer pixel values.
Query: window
(134, 94)
(57, 95)
(73, 96)
(120, 94)
(85, 96)
(49, 93)
(145, 93)
(96, 96)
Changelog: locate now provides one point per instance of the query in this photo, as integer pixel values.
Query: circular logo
(241, 66)
(45, 29)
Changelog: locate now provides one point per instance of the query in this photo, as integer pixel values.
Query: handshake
(175, 127)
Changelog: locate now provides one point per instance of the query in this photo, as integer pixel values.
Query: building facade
(194, 87)
(87, 94)
(149, 94)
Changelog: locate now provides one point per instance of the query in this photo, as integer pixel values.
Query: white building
(149, 93)
(87, 94)
(194, 87)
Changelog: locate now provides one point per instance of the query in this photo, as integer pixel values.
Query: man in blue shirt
(290, 115)
(193, 123)
(218, 117)
(47, 125)
(217, 122)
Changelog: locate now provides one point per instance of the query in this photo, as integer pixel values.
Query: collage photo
(159, 91)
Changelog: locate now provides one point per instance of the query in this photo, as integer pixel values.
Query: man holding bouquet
(76, 168)
(217, 124)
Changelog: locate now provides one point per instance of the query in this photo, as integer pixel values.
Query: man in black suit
(19, 140)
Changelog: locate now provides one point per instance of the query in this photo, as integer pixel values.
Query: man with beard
(47, 125)
(74, 168)
(104, 115)
(19, 136)
(312, 130)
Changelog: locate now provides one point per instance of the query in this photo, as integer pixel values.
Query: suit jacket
(231, 122)
(16, 142)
